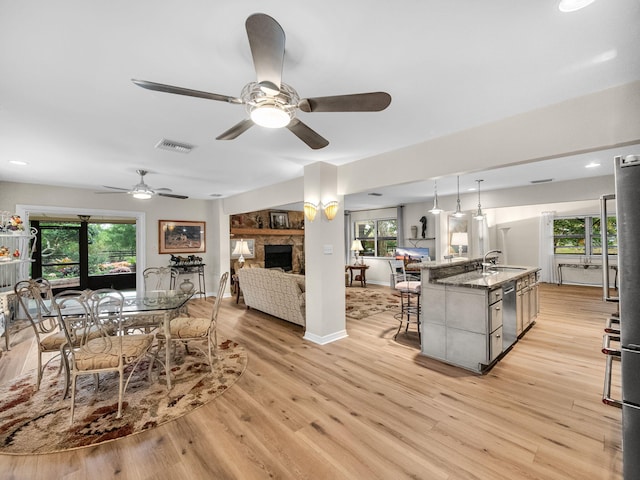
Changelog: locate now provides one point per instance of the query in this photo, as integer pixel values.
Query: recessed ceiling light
(18, 162)
(567, 6)
(592, 165)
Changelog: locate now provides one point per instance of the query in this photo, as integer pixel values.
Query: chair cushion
(53, 342)
(413, 287)
(189, 327)
(102, 353)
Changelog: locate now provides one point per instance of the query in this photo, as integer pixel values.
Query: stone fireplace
(279, 256)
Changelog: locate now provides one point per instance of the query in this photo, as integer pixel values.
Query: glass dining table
(144, 309)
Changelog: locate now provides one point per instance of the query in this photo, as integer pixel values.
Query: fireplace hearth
(279, 256)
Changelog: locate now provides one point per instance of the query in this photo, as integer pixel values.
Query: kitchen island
(471, 318)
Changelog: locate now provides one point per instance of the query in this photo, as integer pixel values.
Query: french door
(80, 255)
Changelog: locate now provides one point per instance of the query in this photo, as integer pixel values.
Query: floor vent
(165, 144)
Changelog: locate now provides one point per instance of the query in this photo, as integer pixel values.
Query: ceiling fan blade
(172, 195)
(266, 39)
(115, 188)
(357, 102)
(307, 135)
(161, 87)
(102, 193)
(235, 131)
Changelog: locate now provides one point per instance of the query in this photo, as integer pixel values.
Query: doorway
(85, 253)
(45, 212)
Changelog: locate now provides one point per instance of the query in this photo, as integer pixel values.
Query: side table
(191, 268)
(361, 274)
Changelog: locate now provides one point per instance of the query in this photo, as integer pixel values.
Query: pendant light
(458, 213)
(436, 209)
(479, 215)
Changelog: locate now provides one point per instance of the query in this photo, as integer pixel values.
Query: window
(74, 254)
(379, 237)
(581, 236)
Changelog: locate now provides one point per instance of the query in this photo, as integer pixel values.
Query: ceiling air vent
(375, 194)
(165, 144)
(544, 180)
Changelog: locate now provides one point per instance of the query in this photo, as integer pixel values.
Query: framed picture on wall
(279, 220)
(181, 236)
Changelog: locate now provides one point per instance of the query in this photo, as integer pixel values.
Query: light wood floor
(368, 407)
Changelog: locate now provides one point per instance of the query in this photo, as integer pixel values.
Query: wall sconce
(242, 249)
(331, 210)
(310, 210)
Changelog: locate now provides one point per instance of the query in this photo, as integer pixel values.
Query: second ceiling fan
(270, 102)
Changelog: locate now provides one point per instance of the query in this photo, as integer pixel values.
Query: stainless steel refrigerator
(627, 178)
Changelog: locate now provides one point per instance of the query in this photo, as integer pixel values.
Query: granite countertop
(498, 275)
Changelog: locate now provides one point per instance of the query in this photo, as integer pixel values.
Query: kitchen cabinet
(527, 302)
(470, 322)
(469, 317)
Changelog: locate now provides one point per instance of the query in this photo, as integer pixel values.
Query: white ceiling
(69, 109)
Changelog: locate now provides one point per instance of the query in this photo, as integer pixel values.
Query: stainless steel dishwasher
(509, 315)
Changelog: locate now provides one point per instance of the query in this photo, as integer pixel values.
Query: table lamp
(242, 249)
(356, 246)
(460, 239)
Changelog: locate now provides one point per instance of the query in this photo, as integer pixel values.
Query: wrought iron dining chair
(31, 295)
(407, 285)
(80, 313)
(160, 278)
(196, 329)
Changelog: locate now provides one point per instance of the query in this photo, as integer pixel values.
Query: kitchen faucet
(485, 264)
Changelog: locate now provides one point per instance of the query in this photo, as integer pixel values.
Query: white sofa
(274, 292)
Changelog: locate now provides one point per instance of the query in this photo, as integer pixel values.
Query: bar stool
(409, 288)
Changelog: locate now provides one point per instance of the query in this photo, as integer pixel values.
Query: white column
(324, 258)
(503, 233)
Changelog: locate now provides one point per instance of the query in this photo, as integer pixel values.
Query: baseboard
(323, 340)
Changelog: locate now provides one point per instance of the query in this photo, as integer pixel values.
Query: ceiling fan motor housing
(267, 109)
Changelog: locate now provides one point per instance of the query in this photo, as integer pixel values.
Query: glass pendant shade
(436, 209)
(458, 213)
(479, 215)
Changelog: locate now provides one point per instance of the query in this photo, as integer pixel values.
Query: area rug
(39, 421)
(364, 302)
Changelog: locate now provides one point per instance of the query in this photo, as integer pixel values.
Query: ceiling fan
(143, 191)
(270, 102)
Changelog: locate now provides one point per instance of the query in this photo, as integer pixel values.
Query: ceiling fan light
(142, 194)
(270, 116)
